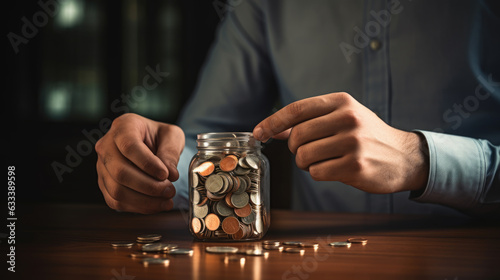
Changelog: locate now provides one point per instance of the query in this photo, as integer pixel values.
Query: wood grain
(73, 242)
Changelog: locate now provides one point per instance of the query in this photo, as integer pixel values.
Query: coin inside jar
(228, 163)
(243, 211)
(230, 225)
(212, 222)
(205, 168)
(239, 172)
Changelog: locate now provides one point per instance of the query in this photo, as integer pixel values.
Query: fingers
(130, 137)
(318, 128)
(329, 148)
(170, 143)
(123, 172)
(121, 198)
(298, 112)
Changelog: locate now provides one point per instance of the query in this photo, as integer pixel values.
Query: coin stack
(226, 200)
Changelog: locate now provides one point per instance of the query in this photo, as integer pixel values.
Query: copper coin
(205, 168)
(243, 212)
(238, 235)
(212, 222)
(228, 200)
(196, 225)
(228, 163)
(230, 225)
(203, 201)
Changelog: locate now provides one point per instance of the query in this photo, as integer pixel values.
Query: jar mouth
(218, 140)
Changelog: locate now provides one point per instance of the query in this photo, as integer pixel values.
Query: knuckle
(117, 193)
(302, 157)
(113, 204)
(295, 109)
(127, 146)
(316, 173)
(98, 146)
(357, 164)
(149, 164)
(353, 142)
(351, 117)
(343, 97)
(120, 174)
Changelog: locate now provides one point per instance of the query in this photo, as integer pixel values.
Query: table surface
(73, 242)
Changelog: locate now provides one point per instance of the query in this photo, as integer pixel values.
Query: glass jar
(229, 188)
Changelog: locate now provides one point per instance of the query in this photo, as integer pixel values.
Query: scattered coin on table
(341, 244)
(358, 240)
(157, 252)
(221, 249)
(153, 261)
(126, 244)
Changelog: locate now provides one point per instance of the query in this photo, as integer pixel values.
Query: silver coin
(158, 247)
(357, 240)
(239, 200)
(241, 171)
(294, 250)
(151, 236)
(273, 247)
(122, 244)
(243, 187)
(249, 219)
(309, 245)
(292, 243)
(221, 250)
(194, 180)
(180, 251)
(341, 244)
(255, 198)
(252, 161)
(271, 242)
(148, 261)
(214, 183)
(196, 197)
(242, 163)
(200, 211)
(223, 209)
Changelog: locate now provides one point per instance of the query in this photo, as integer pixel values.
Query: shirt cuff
(456, 171)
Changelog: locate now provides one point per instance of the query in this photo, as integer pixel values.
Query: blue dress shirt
(426, 66)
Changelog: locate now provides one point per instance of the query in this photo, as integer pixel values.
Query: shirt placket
(376, 75)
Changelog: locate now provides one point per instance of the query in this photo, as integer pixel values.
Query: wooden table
(73, 242)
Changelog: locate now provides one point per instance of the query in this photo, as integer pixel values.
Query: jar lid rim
(224, 135)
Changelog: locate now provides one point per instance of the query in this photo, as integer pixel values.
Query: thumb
(170, 143)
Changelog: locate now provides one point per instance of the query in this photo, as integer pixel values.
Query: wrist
(418, 160)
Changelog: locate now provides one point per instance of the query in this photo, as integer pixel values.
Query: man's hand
(335, 138)
(137, 163)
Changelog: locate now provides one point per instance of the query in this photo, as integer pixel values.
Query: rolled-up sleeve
(463, 173)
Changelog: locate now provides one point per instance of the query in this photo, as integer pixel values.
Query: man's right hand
(137, 163)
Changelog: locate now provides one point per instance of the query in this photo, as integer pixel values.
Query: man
(387, 106)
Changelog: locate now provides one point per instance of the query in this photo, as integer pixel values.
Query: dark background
(64, 81)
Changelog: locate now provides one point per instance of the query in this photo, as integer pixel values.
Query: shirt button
(375, 44)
